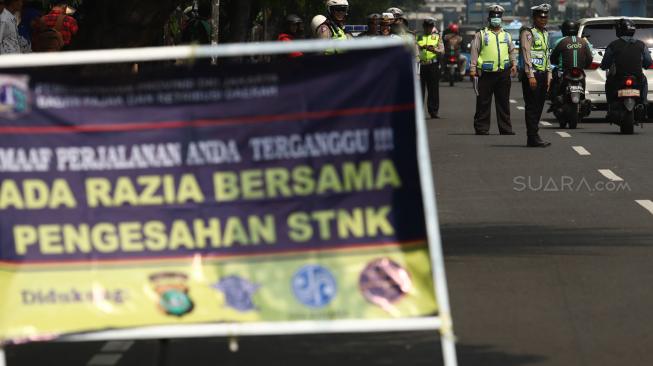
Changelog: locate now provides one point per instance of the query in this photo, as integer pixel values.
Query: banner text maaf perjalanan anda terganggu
(243, 194)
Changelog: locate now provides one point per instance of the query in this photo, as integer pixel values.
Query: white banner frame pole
(443, 322)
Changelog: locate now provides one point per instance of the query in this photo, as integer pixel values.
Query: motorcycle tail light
(650, 67)
(452, 59)
(594, 65)
(629, 82)
(576, 72)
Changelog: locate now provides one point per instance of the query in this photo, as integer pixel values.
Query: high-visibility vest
(540, 50)
(495, 51)
(428, 40)
(338, 34)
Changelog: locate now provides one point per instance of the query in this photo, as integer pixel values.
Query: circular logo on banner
(314, 286)
(172, 289)
(238, 292)
(176, 303)
(384, 282)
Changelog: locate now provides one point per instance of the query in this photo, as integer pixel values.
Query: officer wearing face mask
(493, 61)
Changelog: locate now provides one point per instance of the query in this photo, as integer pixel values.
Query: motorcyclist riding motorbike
(453, 43)
(570, 52)
(623, 57)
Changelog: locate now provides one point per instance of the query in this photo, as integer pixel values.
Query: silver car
(600, 32)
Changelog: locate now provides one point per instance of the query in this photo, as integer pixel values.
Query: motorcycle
(451, 62)
(452, 68)
(570, 106)
(628, 110)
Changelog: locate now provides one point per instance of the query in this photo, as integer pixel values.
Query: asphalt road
(548, 260)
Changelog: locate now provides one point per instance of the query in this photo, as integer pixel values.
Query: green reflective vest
(495, 51)
(540, 50)
(338, 34)
(428, 40)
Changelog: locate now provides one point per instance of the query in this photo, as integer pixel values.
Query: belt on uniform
(428, 62)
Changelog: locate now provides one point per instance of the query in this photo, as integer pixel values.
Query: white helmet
(317, 21)
(330, 3)
(398, 13)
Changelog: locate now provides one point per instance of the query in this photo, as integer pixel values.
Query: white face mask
(496, 22)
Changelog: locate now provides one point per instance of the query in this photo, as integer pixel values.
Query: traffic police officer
(493, 57)
(430, 48)
(536, 76)
(334, 27)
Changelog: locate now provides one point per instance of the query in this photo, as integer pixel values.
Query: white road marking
(544, 123)
(564, 134)
(647, 204)
(117, 346)
(610, 175)
(512, 101)
(108, 359)
(521, 108)
(581, 150)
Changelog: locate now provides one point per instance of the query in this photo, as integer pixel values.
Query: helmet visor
(340, 8)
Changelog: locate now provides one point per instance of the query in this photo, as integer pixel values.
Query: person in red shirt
(294, 29)
(59, 19)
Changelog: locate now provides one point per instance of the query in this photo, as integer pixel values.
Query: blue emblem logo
(238, 292)
(314, 286)
(14, 95)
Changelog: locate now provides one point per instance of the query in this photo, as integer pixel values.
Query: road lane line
(117, 346)
(512, 101)
(521, 108)
(108, 359)
(610, 175)
(647, 204)
(563, 134)
(581, 150)
(544, 123)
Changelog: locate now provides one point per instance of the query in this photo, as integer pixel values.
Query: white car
(600, 32)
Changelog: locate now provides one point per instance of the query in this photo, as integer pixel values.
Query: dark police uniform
(430, 70)
(535, 56)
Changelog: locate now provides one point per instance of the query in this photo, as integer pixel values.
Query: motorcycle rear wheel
(627, 125)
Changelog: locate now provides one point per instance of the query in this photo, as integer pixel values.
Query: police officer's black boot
(536, 141)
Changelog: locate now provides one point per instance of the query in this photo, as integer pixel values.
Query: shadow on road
(406, 348)
(518, 240)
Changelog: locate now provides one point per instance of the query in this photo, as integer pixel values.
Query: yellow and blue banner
(250, 193)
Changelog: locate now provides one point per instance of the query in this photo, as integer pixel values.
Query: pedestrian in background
(536, 77)
(293, 29)
(373, 22)
(493, 62)
(9, 38)
(63, 23)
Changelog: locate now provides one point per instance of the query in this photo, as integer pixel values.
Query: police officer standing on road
(430, 48)
(536, 77)
(494, 59)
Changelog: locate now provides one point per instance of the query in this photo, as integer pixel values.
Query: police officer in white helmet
(536, 77)
(334, 27)
(493, 61)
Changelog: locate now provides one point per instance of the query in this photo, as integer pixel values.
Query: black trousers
(534, 100)
(430, 80)
(497, 84)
